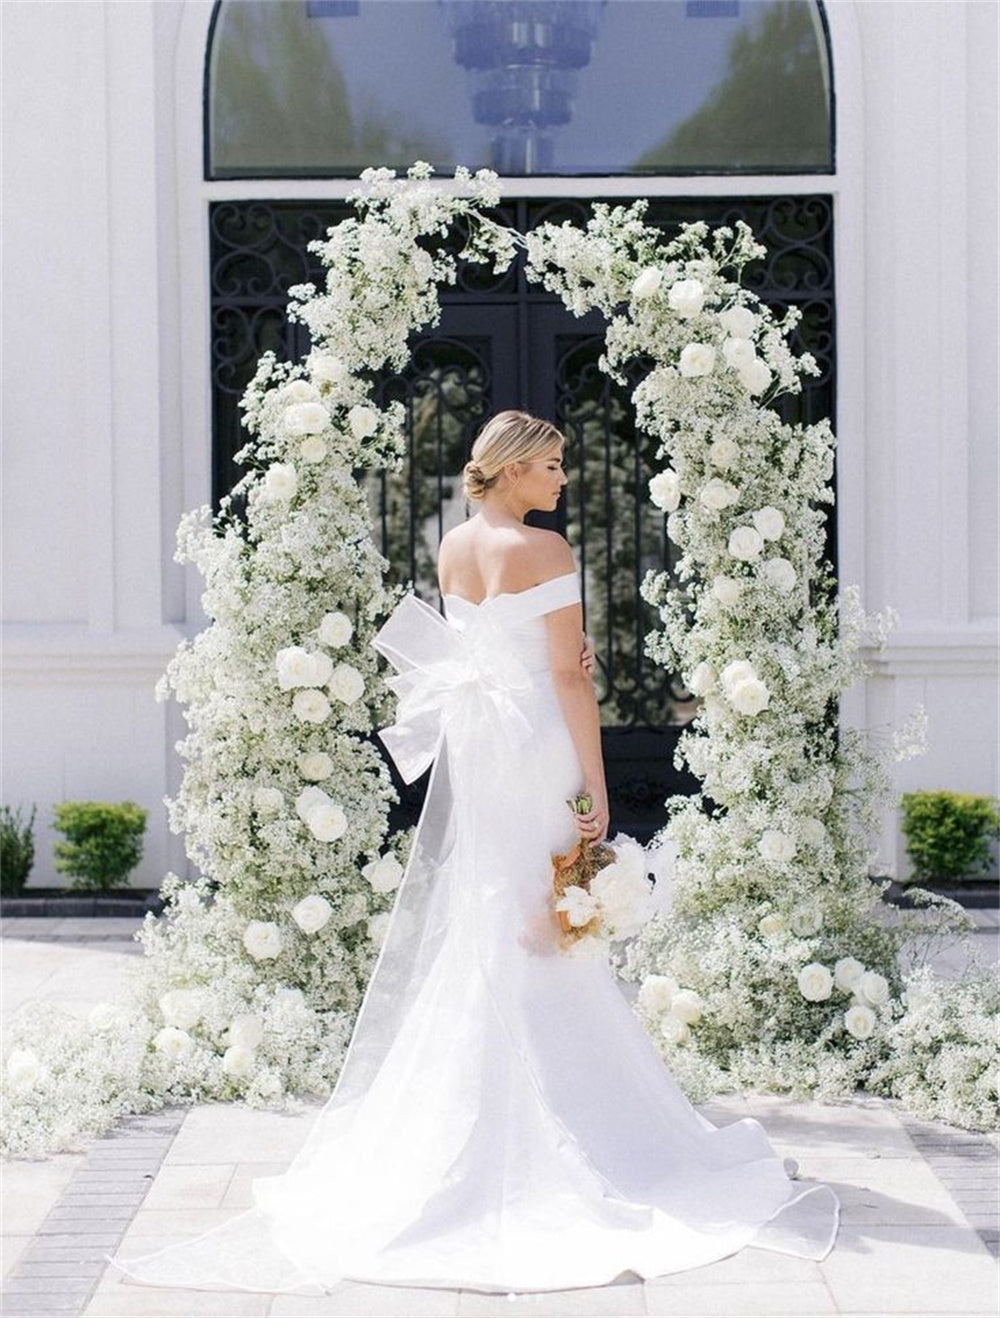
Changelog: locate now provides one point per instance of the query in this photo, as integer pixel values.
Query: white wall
(107, 400)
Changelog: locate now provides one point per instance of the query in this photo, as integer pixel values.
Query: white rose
(722, 453)
(771, 924)
(806, 920)
(299, 391)
(267, 800)
(325, 368)
(750, 696)
(312, 913)
(665, 490)
(383, 873)
(738, 670)
(310, 706)
(673, 1029)
(362, 420)
(745, 543)
(280, 481)
(780, 573)
(770, 522)
(335, 629)
(316, 765)
(717, 494)
(647, 282)
(307, 801)
(262, 939)
(815, 982)
(289, 999)
(103, 1016)
(687, 1006)
(775, 846)
(755, 377)
(327, 822)
(727, 590)
(739, 353)
(306, 418)
(24, 1070)
(697, 359)
(738, 321)
(245, 1030)
(172, 1042)
(297, 667)
(346, 683)
(687, 297)
(673, 528)
(847, 971)
(378, 927)
(579, 905)
(859, 1020)
(702, 679)
(237, 1061)
(312, 449)
(873, 987)
(813, 830)
(182, 1007)
(656, 991)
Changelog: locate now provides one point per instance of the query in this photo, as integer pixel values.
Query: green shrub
(103, 841)
(948, 833)
(17, 850)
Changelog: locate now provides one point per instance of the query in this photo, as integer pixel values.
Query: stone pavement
(918, 1234)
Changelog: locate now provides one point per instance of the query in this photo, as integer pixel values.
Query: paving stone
(49, 1286)
(53, 1268)
(34, 1305)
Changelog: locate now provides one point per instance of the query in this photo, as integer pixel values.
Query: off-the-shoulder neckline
(505, 594)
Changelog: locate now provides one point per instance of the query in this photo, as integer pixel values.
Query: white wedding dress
(502, 1120)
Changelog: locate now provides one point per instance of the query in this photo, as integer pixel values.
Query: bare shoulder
(548, 553)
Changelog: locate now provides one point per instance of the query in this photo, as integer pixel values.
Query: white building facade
(107, 425)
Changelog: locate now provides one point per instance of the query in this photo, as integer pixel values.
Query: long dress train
(502, 1121)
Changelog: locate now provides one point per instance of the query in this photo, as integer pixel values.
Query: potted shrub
(948, 837)
(17, 850)
(103, 842)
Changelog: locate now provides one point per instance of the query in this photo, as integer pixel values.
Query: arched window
(322, 88)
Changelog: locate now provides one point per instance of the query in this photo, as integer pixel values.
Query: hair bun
(474, 480)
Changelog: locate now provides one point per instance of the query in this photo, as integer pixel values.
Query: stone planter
(977, 893)
(61, 902)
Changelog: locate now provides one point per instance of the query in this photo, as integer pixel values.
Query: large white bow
(449, 680)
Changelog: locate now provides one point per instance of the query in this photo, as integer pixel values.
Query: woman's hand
(593, 826)
(587, 655)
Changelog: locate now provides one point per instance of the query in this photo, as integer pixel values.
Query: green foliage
(103, 841)
(947, 833)
(17, 850)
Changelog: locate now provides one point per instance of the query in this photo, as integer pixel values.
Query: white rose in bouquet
(813, 830)
(727, 590)
(299, 391)
(262, 939)
(739, 353)
(745, 543)
(686, 297)
(673, 1029)
(780, 573)
(325, 368)
(738, 670)
(378, 927)
(873, 987)
(268, 800)
(717, 494)
(24, 1070)
(622, 890)
(771, 924)
(313, 449)
(306, 418)
(308, 799)
(237, 1061)
(335, 629)
(755, 377)
(655, 993)
(362, 420)
(815, 982)
(770, 523)
(246, 1030)
(696, 359)
(859, 1020)
(346, 683)
(703, 679)
(315, 766)
(182, 1007)
(312, 913)
(297, 667)
(383, 873)
(311, 706)
(847, 971)
(687, 1006)
(647, 282)
(173, 1043)
(280, 482)
(579, 905)
(665, 490)
(749, 696)
(723, 453)
(776, 847)
(806, 920)
(738, 321)
(327, 823)
(104, 1016)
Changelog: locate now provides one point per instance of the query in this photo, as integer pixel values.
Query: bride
(502, 1121)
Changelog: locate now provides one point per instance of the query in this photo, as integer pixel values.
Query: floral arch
(254, 974)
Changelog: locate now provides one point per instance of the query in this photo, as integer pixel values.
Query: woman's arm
(579, 704)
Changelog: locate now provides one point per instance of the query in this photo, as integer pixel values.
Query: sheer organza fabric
(502, 1120)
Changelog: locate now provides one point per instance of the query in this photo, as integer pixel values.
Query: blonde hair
(507, 437)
